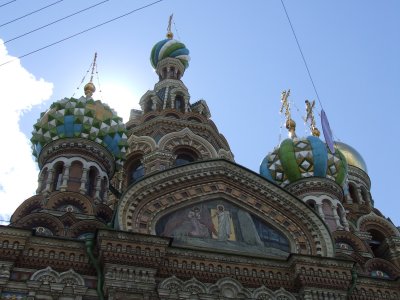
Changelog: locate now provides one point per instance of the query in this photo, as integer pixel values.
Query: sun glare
(119, 97)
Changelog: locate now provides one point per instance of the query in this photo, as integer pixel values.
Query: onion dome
(81, 118)
(303, 157)
(352, 156)
(169, 48)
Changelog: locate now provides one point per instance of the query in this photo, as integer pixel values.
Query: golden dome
(352, 156)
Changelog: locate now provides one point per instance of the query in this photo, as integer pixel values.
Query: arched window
(329, 215)
(75, 175)
(312, 204)
(136, 171)
(57, 176)
(353, 193)
(91, 182)
(179, 103)
(149, 106)
(376, 242)
(184, 156)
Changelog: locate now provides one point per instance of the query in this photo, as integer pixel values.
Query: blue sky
(243, 55)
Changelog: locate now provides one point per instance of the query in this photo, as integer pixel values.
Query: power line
(79, 33)
(56, 21)
(31, 13)
(7, 3)
(301, 52)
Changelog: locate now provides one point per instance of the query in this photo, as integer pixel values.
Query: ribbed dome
(169, 48)
(81, 118)
(352, 156)
(303, 157)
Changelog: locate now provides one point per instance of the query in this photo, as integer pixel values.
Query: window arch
(179, 103)
(329, 214)
(353, 193)
(148, 106)
(75, 175)
(185, 156)
(136, 171)
(91, 182)
(377, 239)
(57, 176)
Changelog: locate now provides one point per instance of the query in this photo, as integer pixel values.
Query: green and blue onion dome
(299, 158)
(81, 118)
(169, 48)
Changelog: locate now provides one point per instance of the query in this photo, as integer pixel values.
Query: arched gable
(145, 203)
(142, 144)
(373, 221)
(187, 138)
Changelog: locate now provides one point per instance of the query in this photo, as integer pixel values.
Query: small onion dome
(303, 157)
(81, 118)
(169, 48)
(353, 158)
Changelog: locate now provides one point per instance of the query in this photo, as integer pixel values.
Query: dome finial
(90, 87)
(290, 124)
(170, 35)
(310, 118)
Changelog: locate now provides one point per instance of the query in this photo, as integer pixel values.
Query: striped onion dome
(81, 118)
(169, 48)
(304, 157)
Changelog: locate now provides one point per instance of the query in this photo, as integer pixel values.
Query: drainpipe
(89, 243)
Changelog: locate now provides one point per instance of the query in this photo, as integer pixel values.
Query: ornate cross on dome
(90, 87)
(290, 124)
(170, 35)
(310, 117)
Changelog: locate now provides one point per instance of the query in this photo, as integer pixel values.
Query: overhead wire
(302, 55)
(31, 13)
(81, 32)
(9, 2)
(56, 21)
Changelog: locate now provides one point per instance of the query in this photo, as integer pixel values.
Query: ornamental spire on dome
(90, 87)
(290, 124)
(310, 118)
(170, 35)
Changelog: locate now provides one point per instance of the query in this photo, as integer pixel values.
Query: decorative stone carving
(225, 288)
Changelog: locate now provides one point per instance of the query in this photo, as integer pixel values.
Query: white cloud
(19, 91)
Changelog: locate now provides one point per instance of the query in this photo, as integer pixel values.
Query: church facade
(157, 208)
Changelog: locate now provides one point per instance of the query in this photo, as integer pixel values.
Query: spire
(290, 124)
(170, 35)
(90, 87)
(310, 118)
